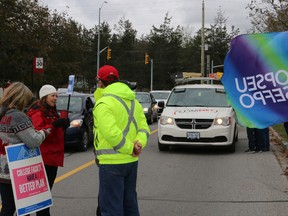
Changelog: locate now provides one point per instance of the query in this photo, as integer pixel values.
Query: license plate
(193, 135)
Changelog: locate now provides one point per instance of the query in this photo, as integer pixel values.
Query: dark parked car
(149, 105)
(80, 132)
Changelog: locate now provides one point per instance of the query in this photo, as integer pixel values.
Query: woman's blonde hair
(16, 96)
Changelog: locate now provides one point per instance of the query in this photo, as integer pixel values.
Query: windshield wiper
(174, 105)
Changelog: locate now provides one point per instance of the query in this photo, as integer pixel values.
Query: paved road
(183, 182)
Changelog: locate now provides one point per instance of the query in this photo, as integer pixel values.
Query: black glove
(61, 122)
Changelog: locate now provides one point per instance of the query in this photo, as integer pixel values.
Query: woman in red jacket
(44, 115)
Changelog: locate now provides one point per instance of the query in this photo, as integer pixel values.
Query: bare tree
(268, 15)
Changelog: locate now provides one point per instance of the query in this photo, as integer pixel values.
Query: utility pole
(208, 65)
(151, 87)
(202, 42)
(98, 47)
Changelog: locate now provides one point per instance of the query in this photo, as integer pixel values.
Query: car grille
(194, 123)
(204, 140)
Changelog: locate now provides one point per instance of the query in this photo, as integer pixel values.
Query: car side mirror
(161, 104)
(90, 110)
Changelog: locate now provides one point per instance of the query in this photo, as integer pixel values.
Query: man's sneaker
(265, 150)
(250, 151)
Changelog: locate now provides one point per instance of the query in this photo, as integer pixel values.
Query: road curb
(278, 140)
(280, 149)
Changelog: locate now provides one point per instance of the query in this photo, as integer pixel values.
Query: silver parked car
(160, 95)
(149, 105)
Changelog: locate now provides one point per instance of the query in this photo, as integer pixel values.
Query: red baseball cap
(106, 71)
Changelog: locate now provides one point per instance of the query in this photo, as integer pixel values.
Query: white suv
(197, 115)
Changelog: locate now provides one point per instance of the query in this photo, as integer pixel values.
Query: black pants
(98, 212)
(8, 204)
(286, 127)
(51, 172)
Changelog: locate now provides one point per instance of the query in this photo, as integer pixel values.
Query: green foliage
(281, 131)
(28, 30)
(164, 46)
(20, 37)
(218, 39)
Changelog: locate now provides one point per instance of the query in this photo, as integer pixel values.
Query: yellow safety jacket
(119, 121)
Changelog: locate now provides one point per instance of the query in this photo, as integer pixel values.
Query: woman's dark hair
(45, 107)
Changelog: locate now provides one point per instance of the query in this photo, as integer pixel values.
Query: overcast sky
(143, 14)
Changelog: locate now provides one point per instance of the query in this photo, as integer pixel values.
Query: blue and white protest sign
(29, 180)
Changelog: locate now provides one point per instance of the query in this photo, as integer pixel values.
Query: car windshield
(143, 98)
(200, 97)
(160, 95)
(75, 103)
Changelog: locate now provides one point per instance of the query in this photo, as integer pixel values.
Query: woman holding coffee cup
(43, 114)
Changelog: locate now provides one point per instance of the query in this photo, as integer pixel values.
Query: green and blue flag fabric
(256, 78)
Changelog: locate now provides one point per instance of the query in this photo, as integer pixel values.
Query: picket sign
(29, 180)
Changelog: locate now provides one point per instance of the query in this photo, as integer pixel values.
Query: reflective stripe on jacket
(119, 121)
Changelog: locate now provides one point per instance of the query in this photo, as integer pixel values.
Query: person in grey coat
(15, 127)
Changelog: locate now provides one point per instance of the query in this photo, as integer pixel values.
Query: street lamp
(98, 47)
(202, 40)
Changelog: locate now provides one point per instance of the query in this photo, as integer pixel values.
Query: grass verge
(279, 128)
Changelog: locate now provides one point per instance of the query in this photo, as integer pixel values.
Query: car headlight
(165, 120)
(76, 123)
(225, 121)
(145, 110)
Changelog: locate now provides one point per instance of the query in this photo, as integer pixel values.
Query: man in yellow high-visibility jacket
(121, 132)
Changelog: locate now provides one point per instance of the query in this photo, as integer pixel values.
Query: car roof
(142, 92)
(200, 86)
(75, 94)
(160, 91)
(195, 80)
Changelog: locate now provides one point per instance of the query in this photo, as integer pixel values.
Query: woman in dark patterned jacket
(15, 127)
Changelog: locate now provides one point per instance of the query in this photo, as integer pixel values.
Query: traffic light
(146, 58)
(108, 54)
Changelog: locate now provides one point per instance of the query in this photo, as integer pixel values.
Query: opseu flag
(256, 78)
